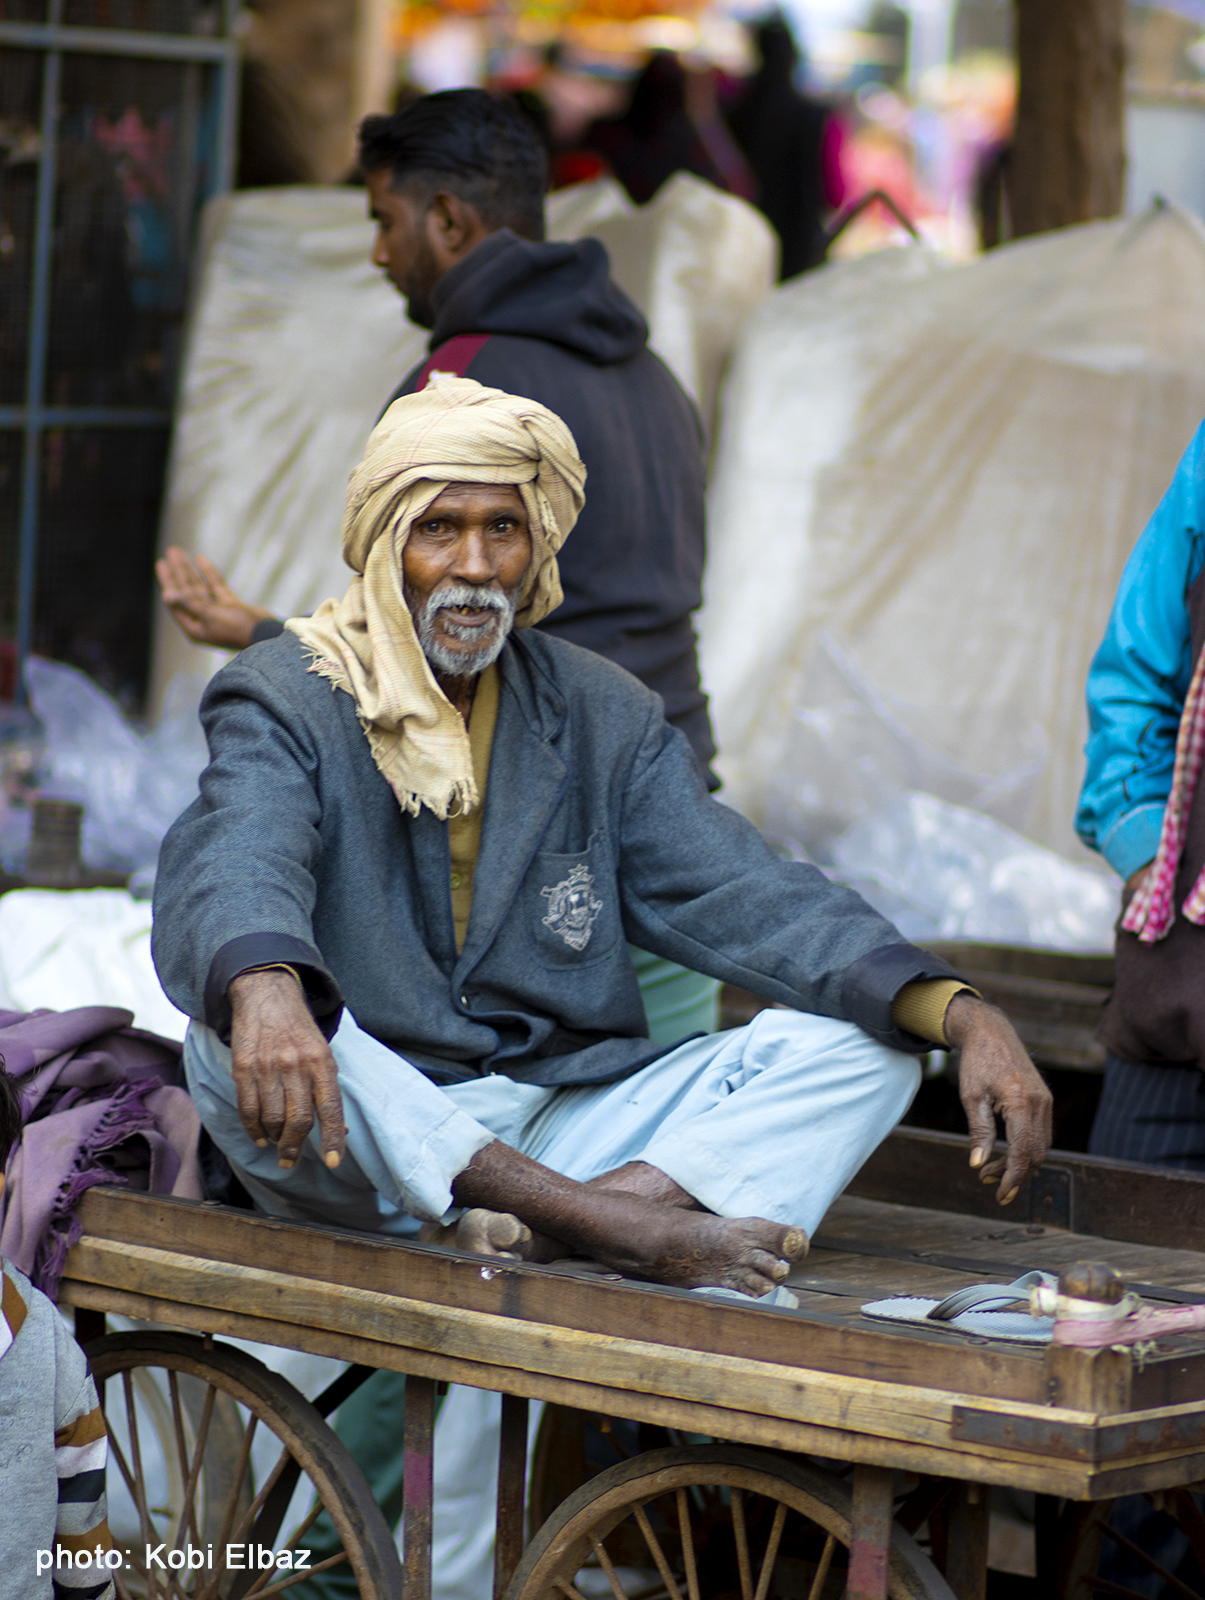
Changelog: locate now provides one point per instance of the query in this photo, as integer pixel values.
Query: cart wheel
(1084, 1534)
(215, 1451)
(703, 1521)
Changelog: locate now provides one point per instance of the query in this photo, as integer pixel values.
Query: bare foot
(484, 1233)
(659, 1239)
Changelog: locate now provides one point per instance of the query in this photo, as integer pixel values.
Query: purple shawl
(102, 1102)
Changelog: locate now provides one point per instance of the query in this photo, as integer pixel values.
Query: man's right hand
(203, 603)
(284, 1072)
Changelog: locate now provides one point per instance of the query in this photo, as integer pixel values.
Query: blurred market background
(933, 273)
(120, 118)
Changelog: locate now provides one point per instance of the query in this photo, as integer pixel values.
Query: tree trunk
(1068, 158)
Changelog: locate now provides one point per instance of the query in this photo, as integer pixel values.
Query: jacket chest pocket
(573, 906)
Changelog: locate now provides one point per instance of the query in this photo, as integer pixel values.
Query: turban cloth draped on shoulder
(454, 431)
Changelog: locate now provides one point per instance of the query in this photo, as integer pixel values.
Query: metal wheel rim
(563, 1545)
(304, 1438)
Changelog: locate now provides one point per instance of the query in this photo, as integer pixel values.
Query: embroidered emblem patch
(573, 907)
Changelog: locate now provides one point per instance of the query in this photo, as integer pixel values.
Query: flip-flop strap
(987, 1296)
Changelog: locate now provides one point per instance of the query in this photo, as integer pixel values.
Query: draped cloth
(454, 431)
(1152, 910)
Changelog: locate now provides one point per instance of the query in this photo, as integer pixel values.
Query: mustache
(469, 597)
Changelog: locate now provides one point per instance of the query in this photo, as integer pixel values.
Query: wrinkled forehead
(483, 498)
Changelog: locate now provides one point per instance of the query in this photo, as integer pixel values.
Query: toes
(765, 1265)
(794, 1244)
(751, 1282)
(506, 1231)
(492, 1233)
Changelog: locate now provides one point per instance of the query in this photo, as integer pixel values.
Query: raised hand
(203, 603)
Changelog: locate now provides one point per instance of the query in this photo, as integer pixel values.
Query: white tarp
(84, 947)
(927, 482)
(297, 342)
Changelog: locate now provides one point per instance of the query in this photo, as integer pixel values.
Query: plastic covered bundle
(945, 872)
(944, 468)
(132, 785)
(297, 342)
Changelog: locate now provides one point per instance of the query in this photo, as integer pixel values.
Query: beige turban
(454, 431)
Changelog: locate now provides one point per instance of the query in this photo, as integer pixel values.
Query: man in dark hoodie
(456, 187)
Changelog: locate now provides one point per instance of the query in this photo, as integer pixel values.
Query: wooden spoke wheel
(709, 1522)
(211, 1452)
(1084, 1534)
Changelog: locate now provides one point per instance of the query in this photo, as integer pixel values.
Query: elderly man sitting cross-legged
(398, 914)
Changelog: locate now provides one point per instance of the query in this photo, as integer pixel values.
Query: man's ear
(453, 228)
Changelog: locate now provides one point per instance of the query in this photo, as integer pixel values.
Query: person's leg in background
(1153, 1114)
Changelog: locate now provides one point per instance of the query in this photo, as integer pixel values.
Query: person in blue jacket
(1153, 1105)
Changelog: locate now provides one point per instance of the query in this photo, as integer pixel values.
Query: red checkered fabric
(1151, 912)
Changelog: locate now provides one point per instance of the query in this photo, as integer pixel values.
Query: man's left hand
(996, 1075)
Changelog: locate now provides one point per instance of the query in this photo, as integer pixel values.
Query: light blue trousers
(771, 1120)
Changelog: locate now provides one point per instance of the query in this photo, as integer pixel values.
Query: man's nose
(475, 561)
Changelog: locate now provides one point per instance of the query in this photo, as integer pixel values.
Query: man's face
(403, 246)
(463, 568)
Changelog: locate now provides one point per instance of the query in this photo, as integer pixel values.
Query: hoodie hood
(559, 292)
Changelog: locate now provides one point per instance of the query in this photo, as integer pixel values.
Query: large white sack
(942, 470)
(84, 947)
(296, 342)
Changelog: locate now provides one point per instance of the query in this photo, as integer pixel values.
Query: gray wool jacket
(597, 830)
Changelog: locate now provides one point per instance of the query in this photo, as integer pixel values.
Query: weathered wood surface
(825, 1380)
(832, 1338)
(1048, 1449)
(1113, 1200)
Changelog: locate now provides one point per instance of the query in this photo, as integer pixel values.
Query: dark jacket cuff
(873, 982)
(261, 950)
(267, 628)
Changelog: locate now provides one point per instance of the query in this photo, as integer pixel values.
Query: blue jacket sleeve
(1139, 678)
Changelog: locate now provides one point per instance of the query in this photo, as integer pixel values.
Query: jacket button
(456, 880)
(464, 999)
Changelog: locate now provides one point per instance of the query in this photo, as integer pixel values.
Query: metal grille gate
(117, 121)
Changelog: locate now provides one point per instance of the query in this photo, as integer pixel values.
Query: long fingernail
(794, 1242)
(1007, 1199)
(285, 1164)
(781, 1270)
(332, 1159)
(978, 1157)
(261, 1144)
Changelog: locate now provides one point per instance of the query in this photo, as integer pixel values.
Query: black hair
(10, 1115)
(478, 146)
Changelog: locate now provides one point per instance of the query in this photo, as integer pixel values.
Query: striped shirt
(53, 1454)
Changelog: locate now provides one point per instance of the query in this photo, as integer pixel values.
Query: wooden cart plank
(758, 1386)
(823, 1340)
(1068, 1479)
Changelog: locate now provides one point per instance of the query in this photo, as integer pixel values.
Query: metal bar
(966, 1560)
(870, 1533)
(418, 1447)
(116, 42)
(341, 1389)
(35, 372)
(227, 142)
(89, 1324)
(82, 417)
(1047, 1545)
(512, 1492)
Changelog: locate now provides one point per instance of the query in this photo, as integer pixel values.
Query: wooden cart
(829, 1440)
